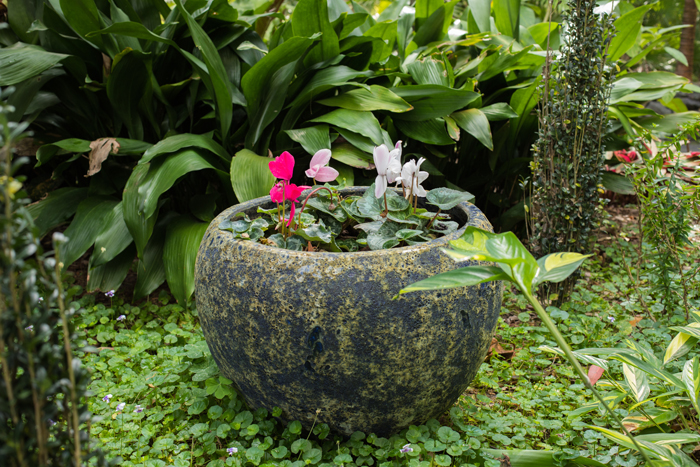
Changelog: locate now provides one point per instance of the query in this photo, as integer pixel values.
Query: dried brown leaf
(100, 150)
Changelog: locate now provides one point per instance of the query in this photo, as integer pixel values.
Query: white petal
(381, 159)
(379, 186)
(393, 171)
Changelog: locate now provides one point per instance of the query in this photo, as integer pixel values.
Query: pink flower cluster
(283, 169)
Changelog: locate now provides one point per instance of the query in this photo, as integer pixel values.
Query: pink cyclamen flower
(283, 166)
(319, 170)
(289, 192)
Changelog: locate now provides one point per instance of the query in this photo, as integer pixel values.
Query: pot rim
(474, 218)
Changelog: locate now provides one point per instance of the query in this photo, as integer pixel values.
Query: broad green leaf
(110, 275)
(385, 31)
(669, 438)
(430, 30)
(113, 238)
(311, 17)
(217, 72)
(446, 198)
(499, 111)
(481, 12)
(654, 450)
(682, 343)
(538, 458)
(250, 175)
(622, 87)
(474, 122)
(360, 142)
(637, 381)
(506, 14)
(556, 267)
(350, 155)
(617, 183)
(496, 64)
(429, 71)
(56, 208)
(83, 17)
(150, 270)
(657, 79)
(691, 378)
(182, 241)
(271, 104)
(125, 87)
(432, 101)
(590, 360)
(134, 29)
(376, 98)
(174, 143)
(328, 79)
(425, 8)
(668, 123)
(540, 31)
(429, 131)
(21, 15)
(627, 29)
(649, 369)
(163, 174)
(256, 81)
(312, 139)
(364, 123)
(140, 226)
(72, 145)
(23, 61)
(85, 227)
(471, 275)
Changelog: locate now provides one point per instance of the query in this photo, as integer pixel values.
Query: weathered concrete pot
(306, 330)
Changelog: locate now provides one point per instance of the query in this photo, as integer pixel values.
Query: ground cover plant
(178, 410)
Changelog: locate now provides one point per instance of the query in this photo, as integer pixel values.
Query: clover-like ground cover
(156, 358)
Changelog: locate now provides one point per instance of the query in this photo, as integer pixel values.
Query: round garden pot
(308, 331)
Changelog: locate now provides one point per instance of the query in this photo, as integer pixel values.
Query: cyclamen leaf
(315, 233)
(446, 198)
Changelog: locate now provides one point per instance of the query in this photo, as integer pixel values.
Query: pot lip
(475, 218)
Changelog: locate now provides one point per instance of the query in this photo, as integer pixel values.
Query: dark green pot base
(305, 331)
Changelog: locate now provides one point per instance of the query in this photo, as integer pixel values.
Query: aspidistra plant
(513, 263)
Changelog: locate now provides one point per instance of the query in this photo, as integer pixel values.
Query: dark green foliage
(568, 157)
(43, 411)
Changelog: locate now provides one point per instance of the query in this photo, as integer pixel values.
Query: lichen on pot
(305, 331)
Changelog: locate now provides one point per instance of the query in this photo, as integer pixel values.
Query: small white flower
(121, 406)
(232, 451)
(412, 177)
(388, 164)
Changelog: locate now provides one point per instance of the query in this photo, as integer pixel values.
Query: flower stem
(433, 219)
(386, 206)
(309, 197)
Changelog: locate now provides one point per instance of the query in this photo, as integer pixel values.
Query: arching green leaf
(250, 175)
(182, 241)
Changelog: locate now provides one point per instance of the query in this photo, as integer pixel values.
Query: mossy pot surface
(314, 330)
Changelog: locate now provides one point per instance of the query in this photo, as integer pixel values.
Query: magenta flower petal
(291, 214)
(326, 174)
(283, 166)
(277, 193)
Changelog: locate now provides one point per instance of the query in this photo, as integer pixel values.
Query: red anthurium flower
(283, 166)
(625, 156)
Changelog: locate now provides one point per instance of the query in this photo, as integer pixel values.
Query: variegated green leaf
(637, 381)
(658, 452)
(691, 378)
(558, 266)
(682, 343)
(581, 357)
(649, 369)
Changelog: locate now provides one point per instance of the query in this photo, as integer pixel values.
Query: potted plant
(301, 319)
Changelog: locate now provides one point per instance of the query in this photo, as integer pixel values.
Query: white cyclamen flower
(388, 166)
(412, 177)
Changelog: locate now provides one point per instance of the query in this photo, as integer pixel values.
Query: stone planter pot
(313, 330)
